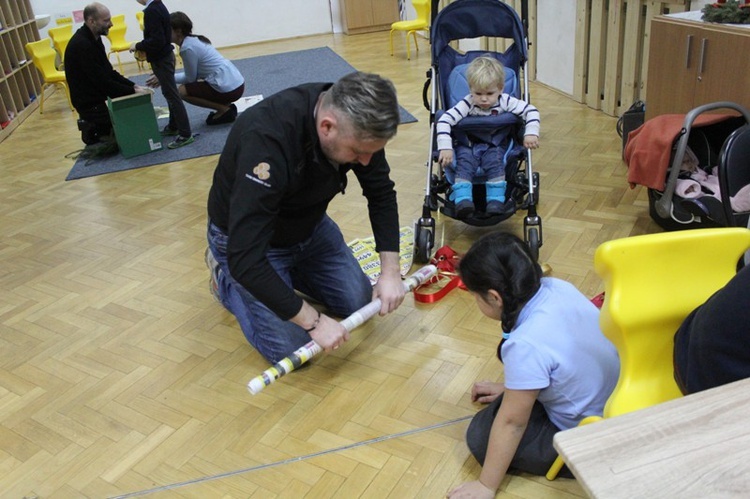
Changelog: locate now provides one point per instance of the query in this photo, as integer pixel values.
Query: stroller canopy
(466, 19)
(474, 18)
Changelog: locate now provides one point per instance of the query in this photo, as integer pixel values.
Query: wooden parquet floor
(120, 376)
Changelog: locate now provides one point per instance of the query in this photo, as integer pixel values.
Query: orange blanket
(649, 147)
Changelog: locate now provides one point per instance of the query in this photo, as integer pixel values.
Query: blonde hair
(485, 73)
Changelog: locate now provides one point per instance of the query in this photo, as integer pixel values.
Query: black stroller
(466, 19)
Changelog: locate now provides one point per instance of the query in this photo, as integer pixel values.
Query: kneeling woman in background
(208, 80)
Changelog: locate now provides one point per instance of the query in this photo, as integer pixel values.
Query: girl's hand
(471, 490)
(530, 141)
(486, 391)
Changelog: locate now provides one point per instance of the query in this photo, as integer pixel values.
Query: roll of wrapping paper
(311, 349)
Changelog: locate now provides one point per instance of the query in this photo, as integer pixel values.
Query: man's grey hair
(369, 102)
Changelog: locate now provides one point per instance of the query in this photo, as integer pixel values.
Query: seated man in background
(91, 77)
(712, 346)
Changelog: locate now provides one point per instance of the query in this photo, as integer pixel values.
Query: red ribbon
(453, 281)
(446, 260)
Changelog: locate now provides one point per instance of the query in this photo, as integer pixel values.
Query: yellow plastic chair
(61, 35)
(118, 20)
(651, 283)
(43, 56)
(421, 23)
(118, 43)
(139, 17)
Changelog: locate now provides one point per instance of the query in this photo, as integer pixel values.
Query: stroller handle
(664, 205)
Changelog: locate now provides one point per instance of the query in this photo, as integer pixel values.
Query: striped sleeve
(529, 113)
(448, 120)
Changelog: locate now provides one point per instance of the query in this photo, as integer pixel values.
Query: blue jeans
(487, 156)
(322, 267)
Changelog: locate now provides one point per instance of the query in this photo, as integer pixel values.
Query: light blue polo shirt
(558, 348)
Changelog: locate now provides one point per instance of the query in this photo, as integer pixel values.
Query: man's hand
(389, 287)
(152, 81)
(486, 391)
(132, 46)
(327, 332)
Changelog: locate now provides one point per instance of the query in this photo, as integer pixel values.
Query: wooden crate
(611, 55)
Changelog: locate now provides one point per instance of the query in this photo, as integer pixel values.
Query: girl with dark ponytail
(558, 366)
(208, 80)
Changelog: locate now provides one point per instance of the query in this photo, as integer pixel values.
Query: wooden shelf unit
(693, 63)
(364, 16)
(20, 82)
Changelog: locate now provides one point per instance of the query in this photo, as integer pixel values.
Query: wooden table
(695, 446)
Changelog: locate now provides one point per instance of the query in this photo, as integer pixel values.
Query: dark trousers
(535, 453)
(94, 124)
(164, 71)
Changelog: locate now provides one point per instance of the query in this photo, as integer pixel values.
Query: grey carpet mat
(264, 75)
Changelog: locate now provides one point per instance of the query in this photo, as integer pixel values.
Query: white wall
(225, 22)
(235, 22)
(555, 49)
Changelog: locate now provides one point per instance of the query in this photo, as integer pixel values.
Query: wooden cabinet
(20, 83)
(362, 16)
(693, 63)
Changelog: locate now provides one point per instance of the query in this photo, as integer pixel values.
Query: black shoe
(464, 209)
(210, 118)
(228, 117)
(498, 207)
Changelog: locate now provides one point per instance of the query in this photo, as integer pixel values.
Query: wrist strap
(315, 323)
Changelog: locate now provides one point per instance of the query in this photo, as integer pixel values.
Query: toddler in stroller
(445, 88)
(486, 79)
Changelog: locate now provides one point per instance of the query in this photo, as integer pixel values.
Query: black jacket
(157, 32)
(90, 75)
(273, 185)
(712, 346)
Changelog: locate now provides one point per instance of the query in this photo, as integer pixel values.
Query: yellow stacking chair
(43, 56)
(139, 17)
(61, 35)
(117, 40)
(118, 20)
(421, 23)
(651, 283)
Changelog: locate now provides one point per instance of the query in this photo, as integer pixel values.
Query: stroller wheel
(423, 246)
(534, 243)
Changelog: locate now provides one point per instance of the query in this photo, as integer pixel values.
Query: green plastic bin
(134, 123)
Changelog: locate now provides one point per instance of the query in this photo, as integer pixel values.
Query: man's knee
(352, 299)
